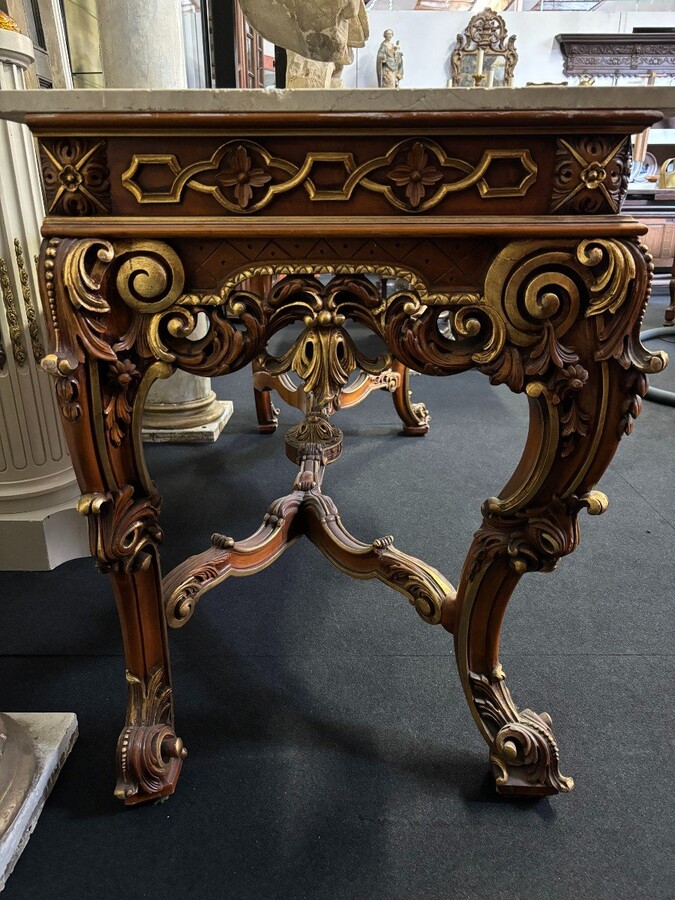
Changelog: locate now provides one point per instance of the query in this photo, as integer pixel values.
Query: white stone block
(54, 735)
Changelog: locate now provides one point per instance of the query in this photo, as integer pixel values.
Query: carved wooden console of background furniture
(621, 55)
(161, 205)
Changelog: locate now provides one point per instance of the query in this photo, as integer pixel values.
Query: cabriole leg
(101, 384)
(585, 382)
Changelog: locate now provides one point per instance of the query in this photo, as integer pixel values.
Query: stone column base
(53, 736)
(197, 422)
(42, 539)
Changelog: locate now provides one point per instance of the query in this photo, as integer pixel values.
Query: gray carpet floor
(332, 754)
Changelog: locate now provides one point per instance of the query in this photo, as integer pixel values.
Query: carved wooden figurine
(507, 222)
(389, 62)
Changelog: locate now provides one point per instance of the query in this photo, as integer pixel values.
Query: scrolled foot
(524, 753)
(414, 416)
(149, 760)
(421, 414)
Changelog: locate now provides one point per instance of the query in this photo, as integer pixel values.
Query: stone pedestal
(184, 410)
(52, 736)
(147, 51)
(39, 526)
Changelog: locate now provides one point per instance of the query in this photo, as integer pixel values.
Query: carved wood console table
(501, 208)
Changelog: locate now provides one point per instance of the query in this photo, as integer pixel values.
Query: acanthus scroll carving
(522, 332)
(123, 379)
(148, 276)
(123, 530)
(536, 291)
(533, 539)
(524, 749)
(148, 748)
(324, 355)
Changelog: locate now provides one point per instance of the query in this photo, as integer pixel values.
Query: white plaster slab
(54, 735)
(17, 104)
(40, 540)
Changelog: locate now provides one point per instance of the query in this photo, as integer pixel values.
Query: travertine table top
(19, 104)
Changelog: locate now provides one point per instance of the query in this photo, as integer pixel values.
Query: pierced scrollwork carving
(524, 753)
(324, 355)
(235, 336)
(122, 530)
(478, 334)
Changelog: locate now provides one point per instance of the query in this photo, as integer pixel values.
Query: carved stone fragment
(324, 30)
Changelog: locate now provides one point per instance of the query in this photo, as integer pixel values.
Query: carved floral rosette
(591, 175)
(75, 176)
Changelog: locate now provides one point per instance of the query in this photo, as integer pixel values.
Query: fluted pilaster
(39, 526)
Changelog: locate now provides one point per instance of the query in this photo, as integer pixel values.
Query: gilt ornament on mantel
(8, 24)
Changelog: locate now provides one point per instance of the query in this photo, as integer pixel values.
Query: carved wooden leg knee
(101, 385)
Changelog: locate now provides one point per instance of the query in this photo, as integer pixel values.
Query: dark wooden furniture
(508, 220)
(657, 214)
(636, 54)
